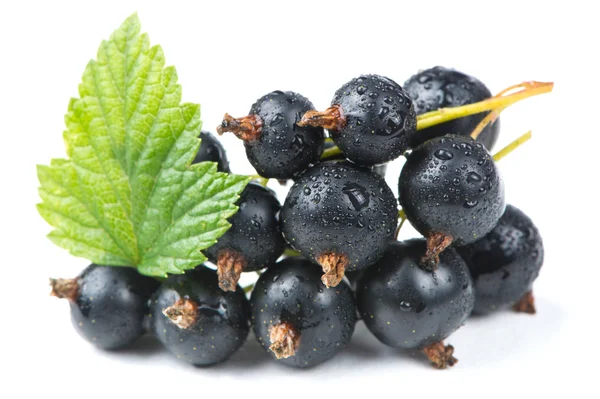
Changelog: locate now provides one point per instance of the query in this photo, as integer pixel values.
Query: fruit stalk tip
(284, 340)
(230, 265)
(440, 355)
(436, 244)
(66, 288)
(246, 128)
(182, 313)
(526, 304)
(334, 266)
(331, 119)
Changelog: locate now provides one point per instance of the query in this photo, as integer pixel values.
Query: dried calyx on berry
(254, 240)
(371, 119)
(275, 144)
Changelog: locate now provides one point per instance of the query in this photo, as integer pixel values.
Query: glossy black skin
(221, 327)
(505, 262)
(255, 229)
(284, 149)
(462, 197)
(379, 169)
(292, 292)
(380, 120)
(441, 87)
(111, 305)
(212, 150)
(407, 307)
(340, 207)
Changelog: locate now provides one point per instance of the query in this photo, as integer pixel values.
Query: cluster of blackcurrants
(339, 218)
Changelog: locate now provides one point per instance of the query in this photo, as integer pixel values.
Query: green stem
(248, 288)
(442, 115)
(291, 252)
(512, 146)
(330, 153)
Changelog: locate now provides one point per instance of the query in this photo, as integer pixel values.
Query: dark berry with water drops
(451, 192)
(441, 87)
(380, 169)
(406, 306)
(108, 304)
(505, 263)
(296, 318)
(212, 150)
(371, 119)
(275, 145)
(341, 216)
(197, 321)
(254, 240)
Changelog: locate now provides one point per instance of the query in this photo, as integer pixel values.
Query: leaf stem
(512, 146)
(330, 153)
(291, 252)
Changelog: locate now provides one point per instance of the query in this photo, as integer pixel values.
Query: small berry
(371, 120)
(451, 192)
(406, 306)
(505, 263)
(341, 216)
(275, 145)
(108, 304)
(296, 319)
(212, 150)
(254, 240)
(441, 87)
(197, 321)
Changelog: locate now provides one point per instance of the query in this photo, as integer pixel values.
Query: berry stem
(284, 340)
(526, 304)
(402, 217)
(512, 146)
(230, 265)
(66, 288)
(291, 252)
(182, 313)
(248, 288)
(440, 355)
(503, 100)
(330, 152)
(247, 128)
(331, 119)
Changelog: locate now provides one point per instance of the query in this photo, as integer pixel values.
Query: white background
(228, 55)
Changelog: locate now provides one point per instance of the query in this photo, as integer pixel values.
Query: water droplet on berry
(357, 194)
(362, 89)
(470, 204)
(307, 191)
(473, 177)
(443, 154)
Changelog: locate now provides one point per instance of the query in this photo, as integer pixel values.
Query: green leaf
(127, 195)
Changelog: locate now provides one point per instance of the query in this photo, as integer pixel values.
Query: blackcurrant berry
(212, 150)
(406, 306)
(505, 263)
(275, 145)
(341, 216)
(441, 87)
(296, 318)
(196, 320)
(451, 192)
(108, 304)
(254, 240)
(371, 120)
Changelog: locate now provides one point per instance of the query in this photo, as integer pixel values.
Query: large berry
(212, 150)
(341, 216)
(108, 304)
(441, 87)
(406, 306)
(296, 318)
(197, 321)
(505, 263)
(254, 240)
(275, 145)
(371, 119)
(451, 191)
